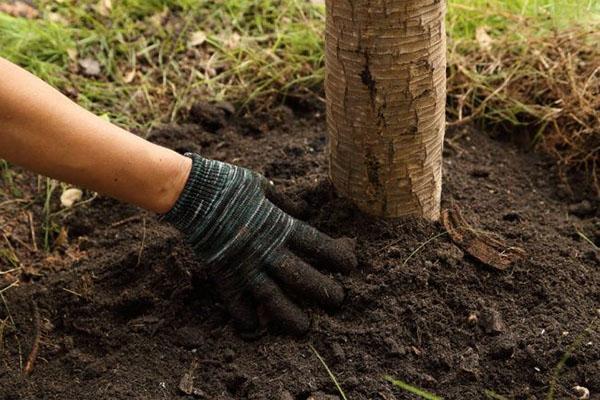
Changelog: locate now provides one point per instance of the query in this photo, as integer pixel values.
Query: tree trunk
(386, 95)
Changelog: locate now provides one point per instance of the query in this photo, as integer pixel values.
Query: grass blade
(431, 239)
(587, 239)
(331, 375)
(493, 395)
(412, 389)
(568, 353)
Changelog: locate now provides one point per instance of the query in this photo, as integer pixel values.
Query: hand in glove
(254, 250)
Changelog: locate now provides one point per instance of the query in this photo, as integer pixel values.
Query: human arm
(42, 130)
(231, 216)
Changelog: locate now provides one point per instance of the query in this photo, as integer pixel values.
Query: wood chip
(483, 246)
(186, 384)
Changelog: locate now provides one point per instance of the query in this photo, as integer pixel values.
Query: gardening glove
(232, 218)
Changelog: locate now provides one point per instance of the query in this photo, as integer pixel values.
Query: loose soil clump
(125, 311)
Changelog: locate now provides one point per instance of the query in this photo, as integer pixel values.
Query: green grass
(421, 393)
(501, 16)
(554, 380)
(425, 243)
(329, 372)
(255, 51)
(7, 177)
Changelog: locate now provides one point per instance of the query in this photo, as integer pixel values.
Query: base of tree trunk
(386, 94)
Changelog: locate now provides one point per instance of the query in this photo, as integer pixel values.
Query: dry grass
(547, 87)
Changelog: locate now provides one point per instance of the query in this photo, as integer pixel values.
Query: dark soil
(126, 311)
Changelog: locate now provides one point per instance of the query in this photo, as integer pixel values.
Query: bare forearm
(252, 256)
(44, 131)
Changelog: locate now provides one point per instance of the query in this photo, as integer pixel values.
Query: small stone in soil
(395, 252)
(450, 254)
(491, 321)
(469, 361)
(339, 355)
(322, 396)
(285, 395)
(394, 348)
(503, 347)
(186, 384)
(581, 209)
(351, 382)
(473, 318)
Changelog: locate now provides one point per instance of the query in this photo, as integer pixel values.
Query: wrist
(177, 173)
(201, 192)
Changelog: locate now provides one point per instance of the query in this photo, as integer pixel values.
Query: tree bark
(386, 93)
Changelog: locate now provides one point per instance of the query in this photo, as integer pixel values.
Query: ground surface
(125, 314)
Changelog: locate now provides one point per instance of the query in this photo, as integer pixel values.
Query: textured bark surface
(386, 92)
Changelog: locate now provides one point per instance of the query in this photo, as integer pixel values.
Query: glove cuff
(206, 181)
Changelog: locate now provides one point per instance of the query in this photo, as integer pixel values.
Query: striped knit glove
(253, 249)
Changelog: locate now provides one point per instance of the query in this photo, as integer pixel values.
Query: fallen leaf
(58, 18)
(158, 19)
(70, 197)
(128, 78)
(196, 39)
(19, 9)
(231, 40)
(89, 66)
(481, 245)
(482, 37)
(73, 54)
(63, 237)
(103, 7)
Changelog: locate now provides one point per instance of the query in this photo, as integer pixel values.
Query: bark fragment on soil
(481, 245)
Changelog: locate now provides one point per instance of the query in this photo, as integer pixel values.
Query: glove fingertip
(344, 252)
(347, 252)
(298, 325)
(297, 208)
(283, 313)
(337, 296)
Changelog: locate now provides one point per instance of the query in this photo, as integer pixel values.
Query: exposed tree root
(35, 347)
